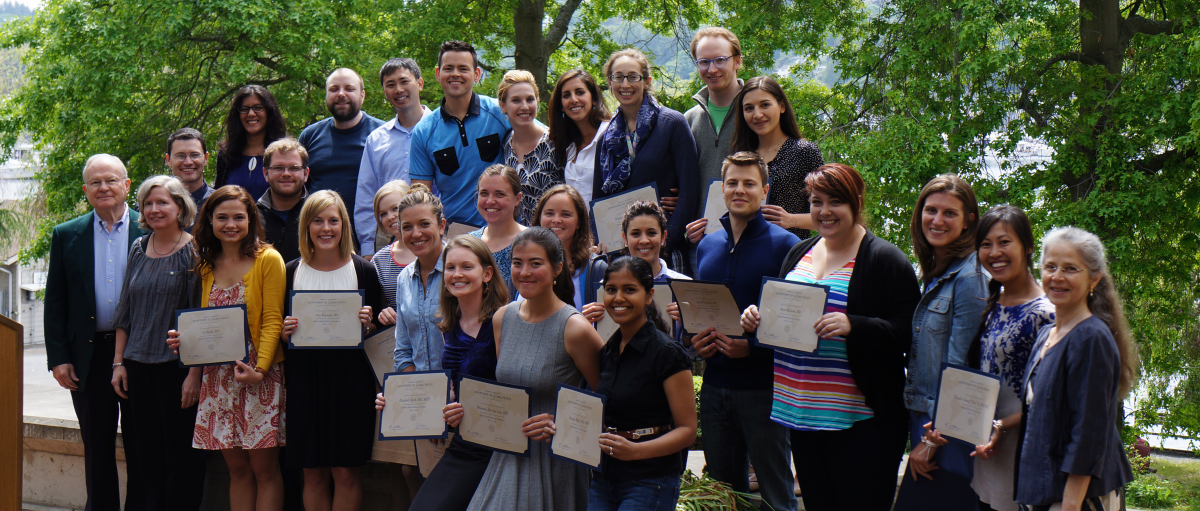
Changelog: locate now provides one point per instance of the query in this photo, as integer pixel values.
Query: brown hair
(316, 203)
(563, 131)
(961, 247)
(494, 295)
(512, 78)
(744, 138)
(745, 159)
(581, 244)
(388, 188)
(509, 174)
(208, 246)
(637, 56)
(419, 194)
(285, 145)
(721, 32)
(841, 182)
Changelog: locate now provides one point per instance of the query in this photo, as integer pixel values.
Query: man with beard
(285, 164)
(187, 155)
(335, 144)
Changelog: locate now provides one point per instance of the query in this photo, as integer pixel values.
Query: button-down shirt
(384, 159)
(418, 341)
(110, 251)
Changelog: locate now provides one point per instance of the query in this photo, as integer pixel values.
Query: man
(187, 155)
(735, 401)
(285, 165)
(462, 137)
(335, 144)
(385, 157)
(87, 266)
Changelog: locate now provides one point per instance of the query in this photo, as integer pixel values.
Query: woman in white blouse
(577, 118)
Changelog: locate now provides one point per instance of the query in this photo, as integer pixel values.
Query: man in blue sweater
(735, 401)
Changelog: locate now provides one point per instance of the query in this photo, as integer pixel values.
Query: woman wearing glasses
(254, 121)
(647, 143)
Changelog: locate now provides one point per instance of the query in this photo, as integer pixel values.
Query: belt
(108, 335)
(635, 434)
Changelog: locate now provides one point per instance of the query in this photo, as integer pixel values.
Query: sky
(32, 4)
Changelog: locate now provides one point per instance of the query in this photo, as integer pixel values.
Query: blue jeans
(654, 494)
(738, 430)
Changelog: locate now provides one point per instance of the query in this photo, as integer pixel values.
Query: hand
(598, 249)
(539, 427)
(365, 316)
(619, 447)
(593, 312)
(65, 375)
(668, 203)
(780, 217)
(832, 325)
(988, 450)
(673, 311)
(453, 414)
(245, 374)
(289, 327)
(173, 340)
(703, 343)
(732, 348)
(695, 230)
(934, 436)
(120, 381)
(751, 319)
(387, 316)
(380, 402)
(191, 389)
(920, 461)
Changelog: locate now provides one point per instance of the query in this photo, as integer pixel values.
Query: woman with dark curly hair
(254, 121)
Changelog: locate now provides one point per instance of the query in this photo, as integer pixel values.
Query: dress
(533, 355)
(232, 414)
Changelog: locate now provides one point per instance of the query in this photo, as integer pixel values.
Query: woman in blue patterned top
(390, 260)
(527, 148)
(497, 195)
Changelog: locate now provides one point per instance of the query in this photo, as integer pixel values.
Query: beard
(344, 112)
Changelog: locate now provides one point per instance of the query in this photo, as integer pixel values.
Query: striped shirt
(388, 271)
(817, 392)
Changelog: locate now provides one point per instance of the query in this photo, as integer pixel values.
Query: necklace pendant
(253, 163)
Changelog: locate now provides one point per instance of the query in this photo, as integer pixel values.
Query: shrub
(1149, 491)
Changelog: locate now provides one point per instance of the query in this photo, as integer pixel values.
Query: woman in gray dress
(542, 341)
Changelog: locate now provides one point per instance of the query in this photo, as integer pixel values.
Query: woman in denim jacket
(945, 323)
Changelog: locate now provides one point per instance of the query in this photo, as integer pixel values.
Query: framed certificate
(714, 206)
(457, 229)
(379, 349)
(493, 413)
(606, 327)
(578, 419)
(789, 310)
(663, 298)
(707, 304)
(966, 404)
(212, 336)
(608, 212)
(328, 319)
(414, 405)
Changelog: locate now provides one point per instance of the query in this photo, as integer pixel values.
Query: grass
(1175, 486)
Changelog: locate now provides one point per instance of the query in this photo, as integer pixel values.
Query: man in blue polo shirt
(465, 135)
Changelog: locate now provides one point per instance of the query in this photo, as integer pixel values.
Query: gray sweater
(712, 148)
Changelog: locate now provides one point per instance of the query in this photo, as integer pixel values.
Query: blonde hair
(723, 33)
(512, 78)
(388, 188)
(637, 56)
(178, 193)
(495, 293)
(316, 203)
(419, 194)
(285, 145)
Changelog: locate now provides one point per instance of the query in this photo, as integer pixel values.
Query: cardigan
(264, 304)
(880, 300)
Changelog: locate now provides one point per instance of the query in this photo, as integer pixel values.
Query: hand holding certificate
(714, 207)
(789, 310)
(608, 212)
(212, 336)
(578, 419)
(707, 304)
(966, 404)
(414, 405)
(492, 415)
(328, 319)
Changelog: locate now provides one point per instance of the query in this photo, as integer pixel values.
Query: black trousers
(852, 469)
(164, 463)
(97, 407)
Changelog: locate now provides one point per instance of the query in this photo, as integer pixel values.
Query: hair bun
(419, 187)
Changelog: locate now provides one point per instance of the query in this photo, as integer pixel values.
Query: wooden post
(12, 358)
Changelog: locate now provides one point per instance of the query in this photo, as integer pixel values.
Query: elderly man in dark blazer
(87, 266)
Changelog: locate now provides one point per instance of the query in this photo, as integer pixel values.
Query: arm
(364, 202)
(497, 318)
(120, 379)
(1091, 380)
(274, 281)
(685, 168)
(1075, 491)
(58, 347)
(681, 398)
(970, 297)
(404, 349)
(583, 345)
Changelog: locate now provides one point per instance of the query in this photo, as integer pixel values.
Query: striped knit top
(816, 392)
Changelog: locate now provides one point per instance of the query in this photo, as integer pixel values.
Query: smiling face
(625, 300)
(457, 73)
(463, 274)
(105, 184)
(253, 122)
(520, 105)
(1065, 277)
(160, 210)
(325, 230)
(532, 272)
(560, 217)
(761, 111)
(628, 94)
(344, 95)
(644, 238)
(286, 175)
(402, 89)
(1002, 254)
(743, 190)
(389, 213)
(187, 160)
(421, 232)
(230, 222)
(942, 219)
(495, 200)
(832, 217)
(577, 100)
(718, 79)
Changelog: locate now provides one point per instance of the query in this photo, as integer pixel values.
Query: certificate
(414, 405)
(379, 349)
(704, 304)
(429, 454)
(606, 327)
(212, 336)
(608, 212)
(788, 311)
(328, 319)
(493, 413)
(966, 404)
(577, 421)
(714, 207)
(456, 229)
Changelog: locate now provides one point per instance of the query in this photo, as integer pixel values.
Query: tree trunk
(1099, 42)
(529, 43)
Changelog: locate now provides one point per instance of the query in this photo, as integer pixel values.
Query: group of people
(356, 203)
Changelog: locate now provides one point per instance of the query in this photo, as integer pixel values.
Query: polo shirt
(334, 155)
(453, 153)
(384, 159)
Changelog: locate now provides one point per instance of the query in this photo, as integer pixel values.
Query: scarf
(615, 162)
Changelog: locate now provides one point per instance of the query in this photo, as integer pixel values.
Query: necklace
(153, 242)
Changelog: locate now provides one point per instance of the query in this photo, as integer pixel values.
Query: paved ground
(43, 397)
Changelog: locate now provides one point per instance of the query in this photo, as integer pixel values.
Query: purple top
(475, 356)
(249, 175)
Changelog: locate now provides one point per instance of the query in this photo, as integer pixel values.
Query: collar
(755, 227)
(957, 266)
(266, 199)
(416, 265)
(472, 109)
(701, 96)
(663, 268)
(394, 123)
(639, 341)
(124, 220)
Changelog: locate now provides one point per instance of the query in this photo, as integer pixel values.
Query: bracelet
(928, 443)
(117, 364)
(999, 425)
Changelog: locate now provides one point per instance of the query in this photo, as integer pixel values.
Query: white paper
(703, 305)
(609, 211)
(327, 320)
(966, 405)
(429, 454)
(492, 415)
(457, 229)
(414, 405)
(577, 421)
(714, 207)
(662, 298)
(788, 312)
(606, 327)
(380, 349)
(403, 452)
(212, 336)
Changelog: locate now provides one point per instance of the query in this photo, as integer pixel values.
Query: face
(402, 89)
(421, 232)
(577, 101)
(628, 94)
(187, 160)
(625, 300)
(389, 213)
(520, 105)
(286, 175)
(254, 120)
(743, 190)
(1065, 278)
(1002, 255)
(532, 272)
(761, 111)
(105, 184)
(344, 95)
(325, 230)
(560, 217)
(230, 222)
(495, 200)
(160, 210)
(457, 73)
(718, 78)
(832, 217)
(942, 219)
(644, 238)
(463, 274)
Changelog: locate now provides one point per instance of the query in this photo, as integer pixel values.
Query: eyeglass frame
(625, 78)
(714, 61)
(294, 169)
(1051, 270)
(258, 109)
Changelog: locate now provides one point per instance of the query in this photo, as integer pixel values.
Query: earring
(485, 288)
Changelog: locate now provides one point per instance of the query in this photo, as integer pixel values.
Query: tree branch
(558, 29)
(1150, 165)
(1136, 24)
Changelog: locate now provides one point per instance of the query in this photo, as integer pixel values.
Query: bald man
(335, 144)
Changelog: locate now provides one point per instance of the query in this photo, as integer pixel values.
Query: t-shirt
(717, 114)
(334, 155)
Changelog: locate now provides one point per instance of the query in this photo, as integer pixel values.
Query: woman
(646, 143)
(242, 406)
(578, 118)
(943, 227)
(1080, 371)
(768, 127)
(331, 425)
(844, 401)
(419, 287)
(527, 148)
(562, 210)
(390, 260)
(542, 342)
(158, 281)
(253, 122)
(469, 299)
(497, 196)
(647, 379)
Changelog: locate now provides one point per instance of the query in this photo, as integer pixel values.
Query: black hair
(644, 274)
(453, 45)
(396, 64)
(187, 134)
(1016, 220)
(275, 128)
(564, 287)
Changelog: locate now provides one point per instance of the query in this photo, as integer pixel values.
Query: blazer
(71, 293)
(264, 304)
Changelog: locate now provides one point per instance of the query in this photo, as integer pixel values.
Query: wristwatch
(999, 425)
(117, 364)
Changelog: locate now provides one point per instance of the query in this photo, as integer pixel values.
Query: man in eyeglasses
(187, 155)
(285, 164)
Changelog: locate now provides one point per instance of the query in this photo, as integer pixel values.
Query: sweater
(334, 155)
(264, 304)
(711, 146)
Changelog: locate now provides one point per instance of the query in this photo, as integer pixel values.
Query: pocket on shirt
(489, 147)
(447, 160)
(937, 316)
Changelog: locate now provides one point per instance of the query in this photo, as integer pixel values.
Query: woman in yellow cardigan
(242, 406)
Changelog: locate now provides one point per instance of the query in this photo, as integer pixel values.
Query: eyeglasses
(279, 169)
(719, 62)
(185, 156)
(258, 109)
(1050, 269)
(111, 183)
(626, 78)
